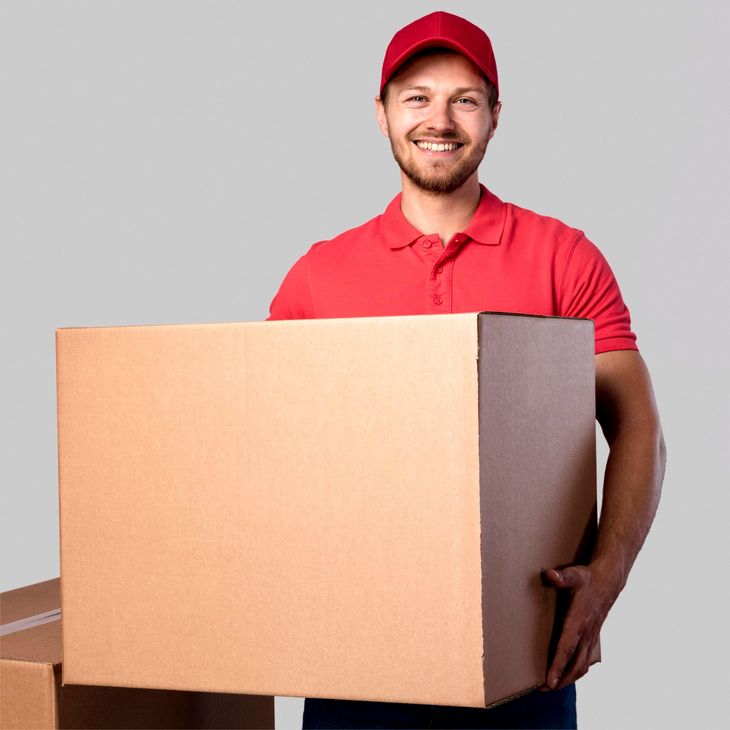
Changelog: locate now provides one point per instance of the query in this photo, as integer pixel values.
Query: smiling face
(438, 120)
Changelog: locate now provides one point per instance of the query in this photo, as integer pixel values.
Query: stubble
(440, 176)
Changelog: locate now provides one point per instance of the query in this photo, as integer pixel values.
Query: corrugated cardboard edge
(482, 535)
(515, 696)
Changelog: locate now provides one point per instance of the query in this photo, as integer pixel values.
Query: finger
(567, 646)
(577, 667)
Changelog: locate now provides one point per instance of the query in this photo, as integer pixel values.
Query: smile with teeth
(433, 147)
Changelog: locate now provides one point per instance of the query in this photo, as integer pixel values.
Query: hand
(593, 592)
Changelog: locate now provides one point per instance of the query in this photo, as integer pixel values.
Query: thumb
(563, 578)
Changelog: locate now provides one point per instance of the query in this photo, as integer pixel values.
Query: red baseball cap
(444, 30)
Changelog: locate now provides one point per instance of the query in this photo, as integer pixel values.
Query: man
(447, 244)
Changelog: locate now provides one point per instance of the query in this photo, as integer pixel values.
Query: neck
(442, 213)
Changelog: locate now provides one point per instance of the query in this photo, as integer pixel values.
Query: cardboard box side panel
(20, 603)
(538, 472)
(27, 696)
(310, 488)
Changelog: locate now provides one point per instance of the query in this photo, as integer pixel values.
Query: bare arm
(627, 413)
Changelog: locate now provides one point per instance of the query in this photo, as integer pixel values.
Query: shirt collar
(485, 227)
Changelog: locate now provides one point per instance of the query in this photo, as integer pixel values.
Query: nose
(441, 119)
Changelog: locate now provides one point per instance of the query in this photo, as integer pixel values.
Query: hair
(491, 90)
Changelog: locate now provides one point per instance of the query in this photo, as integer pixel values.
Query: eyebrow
(461, 90)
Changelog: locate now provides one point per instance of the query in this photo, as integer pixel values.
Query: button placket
(437, 284)
(438, 288)
(440, 279)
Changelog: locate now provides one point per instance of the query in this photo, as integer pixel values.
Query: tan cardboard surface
(27, 695)
(20, 603)
(538, 482)
(37, 644)
(294, 508)
(267, 479)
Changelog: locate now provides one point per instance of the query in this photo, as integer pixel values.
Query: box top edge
(238, 323)
(535, 316)
(235, 323)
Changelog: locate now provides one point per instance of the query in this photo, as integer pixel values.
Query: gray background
(166, 162)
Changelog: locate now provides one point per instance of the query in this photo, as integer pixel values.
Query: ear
(380, 116)
(495, 118)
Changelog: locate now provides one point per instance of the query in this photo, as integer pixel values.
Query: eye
(468, 102)
(416, 98)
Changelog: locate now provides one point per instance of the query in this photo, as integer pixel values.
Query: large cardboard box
(32, 696)
(347, 508)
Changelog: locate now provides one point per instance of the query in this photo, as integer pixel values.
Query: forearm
(626, 410)
(631, 490)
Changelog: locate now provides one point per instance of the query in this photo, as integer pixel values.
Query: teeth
(437, 147)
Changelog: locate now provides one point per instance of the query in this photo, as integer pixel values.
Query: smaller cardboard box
(32, 695)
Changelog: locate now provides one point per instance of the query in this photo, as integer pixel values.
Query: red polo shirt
(508, 259)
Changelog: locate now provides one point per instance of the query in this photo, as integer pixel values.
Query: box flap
(30, 627)
(38, 644)
(20, 603)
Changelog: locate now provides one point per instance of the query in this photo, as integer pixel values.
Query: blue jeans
(535, 710)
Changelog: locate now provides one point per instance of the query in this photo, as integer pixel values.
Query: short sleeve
(589, 289)
(293, 300)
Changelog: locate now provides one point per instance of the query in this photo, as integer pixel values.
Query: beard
(440, 176)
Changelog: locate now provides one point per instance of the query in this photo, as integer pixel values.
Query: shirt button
(439, 269)
(437, 300)
(427, 244)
